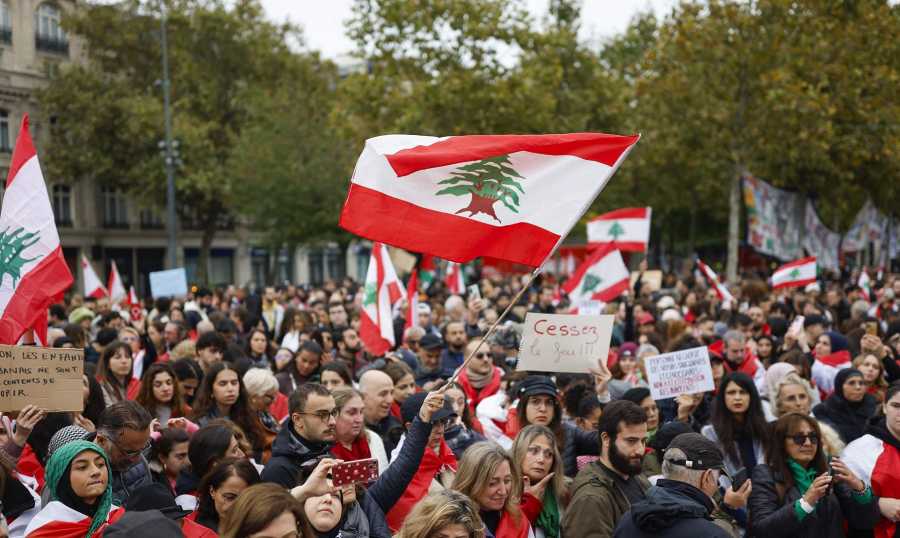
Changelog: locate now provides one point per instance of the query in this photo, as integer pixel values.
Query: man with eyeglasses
(123, 431)
(307, 435)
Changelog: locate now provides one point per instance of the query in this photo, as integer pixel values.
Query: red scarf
(395, 411)
(473, 395)
(279, 408)
(417, 489)
(749, 366)
(836, 359)
(359, 450)
(530, 509)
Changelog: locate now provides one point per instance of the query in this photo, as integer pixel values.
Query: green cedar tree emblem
(11, 247)
(794, 274)
(370, 292)
(590, 283)
(616, 230)
(488, 181)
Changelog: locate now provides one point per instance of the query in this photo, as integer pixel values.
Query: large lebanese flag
(601, 277)
(56, 520)
(795, 274)
(713, 279)
(512, 197)
(33, 271)
(382, 291)
(628, 228)
(454, 281)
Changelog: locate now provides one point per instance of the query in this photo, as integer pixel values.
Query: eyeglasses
(799, 439)
(324, 414)
(130, 453)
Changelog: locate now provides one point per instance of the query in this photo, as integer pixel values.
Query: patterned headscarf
(60, 463)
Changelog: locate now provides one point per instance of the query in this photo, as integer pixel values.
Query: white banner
(682, 372)
(819, 241)
(774, 222)
(870, 225)
(564, 343)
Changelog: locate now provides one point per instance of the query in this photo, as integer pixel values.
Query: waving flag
(713, 279)
(33, 271)
(412, 300)
(454, 280)
(628, 229)
(795, 274)
(134, 305)
(511, 197)
(601, 277)
(92, 285)
(116, 288)
(382, 291)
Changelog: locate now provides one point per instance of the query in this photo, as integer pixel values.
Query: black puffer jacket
(289, 452)
(577, 442)
(772, 515)
(672, 509)
(124, 482)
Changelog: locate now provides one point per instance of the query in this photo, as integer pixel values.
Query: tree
(487, 181)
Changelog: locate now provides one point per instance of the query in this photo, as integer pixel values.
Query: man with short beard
(455, 335)
(605, 489)
(349, 350)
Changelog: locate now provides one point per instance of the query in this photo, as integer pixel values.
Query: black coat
(671, 509)
(577, 442)
(289, 452)
(390, 430)
(773, 516)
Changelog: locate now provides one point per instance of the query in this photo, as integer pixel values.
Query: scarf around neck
(803, 477)
(548, 519)
(479, 381)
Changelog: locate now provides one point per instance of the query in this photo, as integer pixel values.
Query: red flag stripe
(624, 213)
(23, 152)
(47, 279)
(599, 147)
(802, 261)
(624, 246)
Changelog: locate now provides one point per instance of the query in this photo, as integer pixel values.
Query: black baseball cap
(534, 385)
(431, 342)
(700, 453)
(410, 408)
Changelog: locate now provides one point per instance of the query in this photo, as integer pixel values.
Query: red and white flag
(795, 274)
(627, 228)
(116, 288)
(601, 277)
(713, 279)
(93, 287)
(33, 271)
(134, 305)
(383, 290)
(511, 197)
(57, 520)
(454, 280)
(412, 300)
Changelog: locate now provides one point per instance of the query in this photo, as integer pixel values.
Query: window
(151, 219)
(5, 23)
(4, 132)
(61, 197)
(49, 35)
(115, 213)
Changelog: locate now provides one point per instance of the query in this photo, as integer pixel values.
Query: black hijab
(848, 418)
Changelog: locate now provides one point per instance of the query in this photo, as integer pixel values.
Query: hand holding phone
(473, 292)
(354, 472)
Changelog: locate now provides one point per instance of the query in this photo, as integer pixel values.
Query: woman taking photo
(793, 493)
(114, 372)
(445, 514)
(352, 441)
(738, 423)
(849, 407)
(222, 395)
(78, 478)
(220, 488)
(485, 476)
(536, 460)
(160, 394)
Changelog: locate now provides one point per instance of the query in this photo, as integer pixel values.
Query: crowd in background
(223, 414)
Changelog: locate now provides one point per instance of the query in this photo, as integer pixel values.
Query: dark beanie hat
(636, 395)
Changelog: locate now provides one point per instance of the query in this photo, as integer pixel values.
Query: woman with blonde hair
(873, 374)
(445, 514)
(485, 476)
(793, 394)
(536, 460)
(264, 510)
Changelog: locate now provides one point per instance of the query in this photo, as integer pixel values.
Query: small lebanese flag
(865, 283)
(601, 277)
(627, 228)
(116, 288)
(511, 197)
(33, 271)
(412, 300)
(134, 304)
(795, 274)
(713, 279)
(92, 285)
(454, 280)
(383, 290)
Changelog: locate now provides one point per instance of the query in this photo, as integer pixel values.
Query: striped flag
(412, 300)
(628, 229)
(383, 290)
(116, 287)
(93, 287)
(33, 271)
(454, 280)
(601, 277)
(510, 197)
(796, 274)
(713, 279)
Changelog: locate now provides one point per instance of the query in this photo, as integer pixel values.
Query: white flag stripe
(798, 272)
(610, 270)
(633, 230)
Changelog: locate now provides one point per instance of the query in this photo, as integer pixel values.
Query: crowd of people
(225, 412)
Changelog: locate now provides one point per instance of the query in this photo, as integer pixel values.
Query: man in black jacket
(305, 438)
(123, 431)
(680, 504)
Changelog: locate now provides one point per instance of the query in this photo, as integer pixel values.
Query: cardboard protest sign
(564, 343)
(651, 281)
(681, 372)
(170, 283)
(46, 377)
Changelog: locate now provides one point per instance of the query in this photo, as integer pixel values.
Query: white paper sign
(680, 372)
(171, 283)
(564, 343)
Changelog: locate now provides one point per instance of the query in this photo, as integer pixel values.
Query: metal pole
(172, 218)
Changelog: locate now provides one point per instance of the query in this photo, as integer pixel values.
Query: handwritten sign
(564, 343)
(45, 377)
(681, 372)
(170, 283)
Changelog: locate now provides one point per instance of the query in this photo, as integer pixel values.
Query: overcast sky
(323, 20)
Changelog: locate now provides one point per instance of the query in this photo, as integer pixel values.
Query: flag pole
(494, 326)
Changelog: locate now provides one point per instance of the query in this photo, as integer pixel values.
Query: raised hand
(538, 489)
(818, 489)
(433, 402)
(28, 418)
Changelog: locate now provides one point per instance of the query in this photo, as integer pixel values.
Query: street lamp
(170, 148)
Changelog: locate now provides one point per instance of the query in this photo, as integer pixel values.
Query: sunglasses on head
(799, 439)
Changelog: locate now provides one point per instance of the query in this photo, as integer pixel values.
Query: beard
(621, 463)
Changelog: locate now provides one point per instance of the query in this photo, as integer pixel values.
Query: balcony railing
(6, 35)
(51, 44)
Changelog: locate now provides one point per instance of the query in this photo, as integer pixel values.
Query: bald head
(378, 395)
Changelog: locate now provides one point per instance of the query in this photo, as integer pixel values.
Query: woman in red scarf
(352, 440)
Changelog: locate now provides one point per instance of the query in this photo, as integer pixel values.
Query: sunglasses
(481, 355)
(799, 439)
